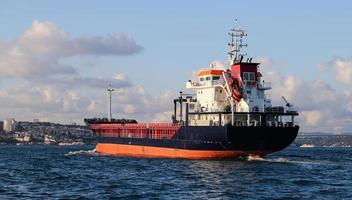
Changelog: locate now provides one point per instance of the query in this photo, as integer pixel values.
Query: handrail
(264, 85)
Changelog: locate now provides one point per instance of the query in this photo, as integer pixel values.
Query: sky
(58, 57)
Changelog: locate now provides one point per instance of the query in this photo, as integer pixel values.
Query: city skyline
(58, 58)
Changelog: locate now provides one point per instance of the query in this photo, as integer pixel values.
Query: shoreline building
(9, 125)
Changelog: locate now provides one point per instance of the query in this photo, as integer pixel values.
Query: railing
(267, 124)
(264, 85)
(273, 117)
(140, 130)
(112, 120)
(267, 97)
(208, 83)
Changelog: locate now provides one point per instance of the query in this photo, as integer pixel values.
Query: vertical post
(232, 113)
(175, 109)
(220, 122)
(110, 90)
(260, 119)
(230, 98)
(187, 111)
(110, 106)
(248, 119)
(181, 100)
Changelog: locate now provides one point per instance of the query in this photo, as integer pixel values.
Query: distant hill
(324, 133)
(324, 140)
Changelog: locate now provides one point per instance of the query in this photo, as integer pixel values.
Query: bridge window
(216, 78)
(251, 76)
(248, 76)
(201, 79)
(207, 78)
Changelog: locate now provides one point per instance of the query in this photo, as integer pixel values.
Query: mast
(234, 56)
(236, 44)
(110, 90)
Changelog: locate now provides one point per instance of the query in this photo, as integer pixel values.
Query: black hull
(261, 140)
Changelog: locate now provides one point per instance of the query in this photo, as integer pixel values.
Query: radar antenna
(236, 43)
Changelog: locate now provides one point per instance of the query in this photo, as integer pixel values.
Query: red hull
(162, 152)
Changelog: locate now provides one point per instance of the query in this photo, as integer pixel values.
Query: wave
(339, 146)
(92, 152)
(325, 146)
(307, 145)
(254, 158)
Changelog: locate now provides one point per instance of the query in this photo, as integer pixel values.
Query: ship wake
(284, 160)
(92, 152)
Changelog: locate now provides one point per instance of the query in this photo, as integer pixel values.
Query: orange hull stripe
(162, 152)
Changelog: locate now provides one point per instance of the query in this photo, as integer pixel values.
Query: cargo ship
(229, 114)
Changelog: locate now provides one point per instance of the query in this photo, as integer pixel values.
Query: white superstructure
(240, 88)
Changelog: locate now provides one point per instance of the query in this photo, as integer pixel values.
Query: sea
(78, 172)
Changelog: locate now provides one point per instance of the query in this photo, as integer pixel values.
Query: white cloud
(312, 118)
(135, 101)
(66, 104)
(92, 107)
(121, 77)
(42, 38)
(38, 51)
(162, 117)
(349, 104)
(96, 82)
(264, 61)
(129, 109)
(70, 102)
(115, 44)
(321, 107)
(343, 69)
(38, 85)
(217, 64)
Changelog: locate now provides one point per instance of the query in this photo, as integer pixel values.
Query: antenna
(110, 90)
(236, 43)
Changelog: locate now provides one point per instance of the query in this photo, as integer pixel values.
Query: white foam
(255, 158)
(82, 152)
(282, 160)
(307, 145)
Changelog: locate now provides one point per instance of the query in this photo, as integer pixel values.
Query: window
(216, 78)
(207, 78)
(251, 76)
(201, 79)
(245, 76)
(248, 76)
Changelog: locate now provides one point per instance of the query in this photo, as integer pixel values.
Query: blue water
(75, 172)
